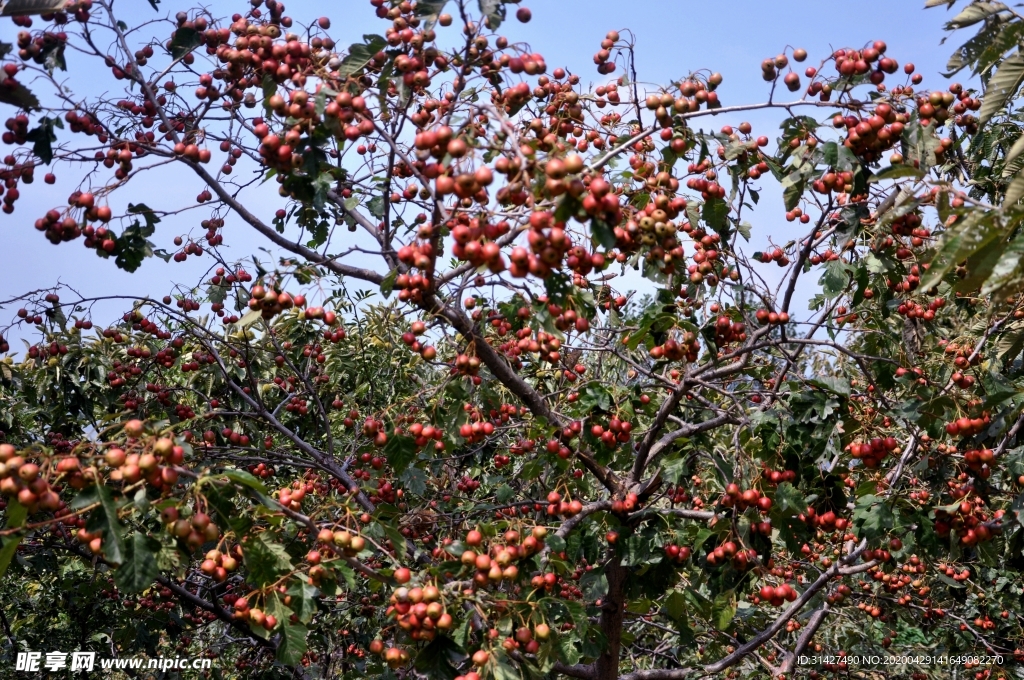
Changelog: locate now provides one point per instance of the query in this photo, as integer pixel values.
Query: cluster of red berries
(743, 499)
(913, 310)
(686, 348)
(677, 553)
(730, 552)
(557, 506)
(873, 451)
(969, 521)
(418, 611)
(966, 427)
(776, 595)
(218, 565)
(826, 521)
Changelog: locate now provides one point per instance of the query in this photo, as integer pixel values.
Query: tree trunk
(611, 619)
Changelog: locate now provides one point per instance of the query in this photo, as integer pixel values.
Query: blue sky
(672, 38)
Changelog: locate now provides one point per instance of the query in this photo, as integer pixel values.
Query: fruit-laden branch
(640, 136)
(219, 612)
(806, 635)
(683, 513)
(308, 522)
(568, 525)
(181, 593)
(504, 373)
(670, 404)
(837, 569)
(687, 430)
(256, 223)
(260, 410)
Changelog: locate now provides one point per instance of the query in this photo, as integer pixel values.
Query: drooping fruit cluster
(194, 528)
(775, 477)
(872, 452)
(29, 483)
(218, 565)
(767, 317)
(419, 611)
(677, 553)
(498, 563)
(969, 521)
(686, 347)
(745, 498)
(156, 462)
(558, 506)
(776, 595)
(966, 427)
(614, 433)
(730, 552)
(728, 331)
(870, 137)
(826, 520)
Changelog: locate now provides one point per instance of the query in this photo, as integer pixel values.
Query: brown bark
(612, 614)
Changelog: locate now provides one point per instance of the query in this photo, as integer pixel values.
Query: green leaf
(567, 651)
(16, 514)
(414, 481)
(724, 609)
(675, 606)
(400, 451)
(596, 396)
(440, 658)
(1002, 86)
(788, 500)
(896, 172)
(398, 541)
(19, 96)
(602, 233)
(43, 138)
(504, 493)
(388, 284)
(715, 214)
(360, 54)
(1006, 275)
(873, 516)
(55, 58)
(1015, 150)
(219, 498)
(1015, 191)
(494, 10)
(184, 41)
(265, 560)
(103, 518)
(147, 214)
(293, 643)
(835, 279)
(973, 13)
(245, 478)
(967, 236)
(430, 8)
(249, 318)
(792, 193)
(303, 602)
(132, 247)
(139, 569)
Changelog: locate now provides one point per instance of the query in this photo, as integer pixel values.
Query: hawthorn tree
(439, 437)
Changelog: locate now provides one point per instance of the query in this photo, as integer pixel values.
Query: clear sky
(673, 38)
